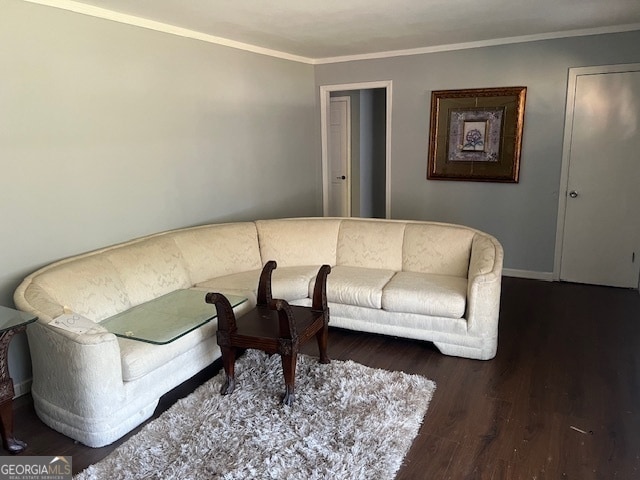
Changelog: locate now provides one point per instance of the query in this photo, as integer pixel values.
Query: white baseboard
(22, 388)
(511, 272)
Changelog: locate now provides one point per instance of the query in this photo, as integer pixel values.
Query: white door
(339, 157)
(601, 238)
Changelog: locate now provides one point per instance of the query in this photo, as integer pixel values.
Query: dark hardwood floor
(560, 400)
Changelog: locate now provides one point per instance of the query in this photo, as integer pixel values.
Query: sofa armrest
(81, 373)
(484, 286)
(33, 299)
(94, 335)
(88, 332)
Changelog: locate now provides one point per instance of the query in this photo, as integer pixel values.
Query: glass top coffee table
(166, 318)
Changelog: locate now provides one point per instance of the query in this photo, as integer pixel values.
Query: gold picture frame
(476, 134)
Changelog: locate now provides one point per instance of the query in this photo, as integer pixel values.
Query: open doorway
(356, 132)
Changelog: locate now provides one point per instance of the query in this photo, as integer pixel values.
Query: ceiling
(324, 29)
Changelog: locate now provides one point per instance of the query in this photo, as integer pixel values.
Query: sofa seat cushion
(140, 358)
(289, 283)
(426, 294)
(242, 283)
(357, 286)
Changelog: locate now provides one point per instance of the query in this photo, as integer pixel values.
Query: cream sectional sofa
(428, 281)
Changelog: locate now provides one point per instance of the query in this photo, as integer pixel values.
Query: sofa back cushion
(149, 268)
(88, 285)
(298, 241)
(216, 250)
(437, 249)
(371, 244)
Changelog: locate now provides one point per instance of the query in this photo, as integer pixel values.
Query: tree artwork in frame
(476, 134)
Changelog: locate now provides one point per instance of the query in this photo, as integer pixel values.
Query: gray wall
(522, 216)
(109, 132)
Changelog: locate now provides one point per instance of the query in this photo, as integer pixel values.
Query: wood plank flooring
(561, 400)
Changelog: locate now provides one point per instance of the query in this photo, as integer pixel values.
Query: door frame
(325, 92)
(574, 73)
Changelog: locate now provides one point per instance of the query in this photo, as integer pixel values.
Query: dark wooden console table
(11, 322)
(273, 326)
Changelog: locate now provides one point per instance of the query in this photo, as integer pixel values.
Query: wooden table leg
(9, 442)
(322, 338)
(229, 363)
(226, 327)
(319, 305)
(289, 370)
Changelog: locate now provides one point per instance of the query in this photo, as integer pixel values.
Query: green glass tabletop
(10, 318)
(166, 318)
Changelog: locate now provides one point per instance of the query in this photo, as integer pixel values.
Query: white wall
(522, 216)
(109, 132)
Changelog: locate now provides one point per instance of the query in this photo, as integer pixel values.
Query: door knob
(342, 178)
(573, 194)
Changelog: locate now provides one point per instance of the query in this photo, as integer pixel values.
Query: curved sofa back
(104, 282)
(400, 245)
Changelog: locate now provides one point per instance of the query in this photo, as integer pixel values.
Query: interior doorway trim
(325, 92)
(574, 73)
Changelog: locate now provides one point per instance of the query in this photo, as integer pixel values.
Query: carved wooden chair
(273, 326)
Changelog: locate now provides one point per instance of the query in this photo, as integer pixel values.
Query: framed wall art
(476, 134)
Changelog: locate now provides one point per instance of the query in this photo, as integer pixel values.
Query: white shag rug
(348, 421)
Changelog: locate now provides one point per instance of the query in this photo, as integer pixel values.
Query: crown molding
(479, 44)
(103, 13)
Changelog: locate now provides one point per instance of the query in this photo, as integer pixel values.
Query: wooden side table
(273, 326)
(11, 322)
